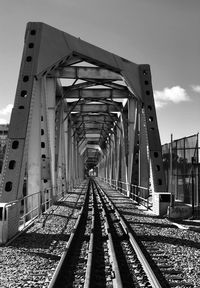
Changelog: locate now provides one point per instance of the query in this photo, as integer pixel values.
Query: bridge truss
(78, 107)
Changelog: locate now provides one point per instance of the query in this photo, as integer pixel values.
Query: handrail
(135, 190)
(27, 208)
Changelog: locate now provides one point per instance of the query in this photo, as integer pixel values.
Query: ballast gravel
(180, 244)
(31, 259)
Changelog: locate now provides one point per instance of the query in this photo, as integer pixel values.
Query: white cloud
(196, 88)
(175, 95)
(5, 114)
(7, 110)
(3, 121)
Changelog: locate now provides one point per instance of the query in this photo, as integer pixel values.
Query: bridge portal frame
(43, 144)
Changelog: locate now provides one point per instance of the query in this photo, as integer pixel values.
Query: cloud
(196, 88)
(175, 95)
(7, 110)
(3, 121)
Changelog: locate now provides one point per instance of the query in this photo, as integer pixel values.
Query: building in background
(3, 140)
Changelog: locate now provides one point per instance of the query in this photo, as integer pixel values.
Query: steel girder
(96, 94)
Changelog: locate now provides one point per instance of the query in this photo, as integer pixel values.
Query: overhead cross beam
(96, 118)
(96, 93)
(94, 108)
(85, 73)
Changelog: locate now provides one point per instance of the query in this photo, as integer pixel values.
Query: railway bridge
(78, 110)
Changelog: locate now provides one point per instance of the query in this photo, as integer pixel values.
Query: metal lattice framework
(78, 107)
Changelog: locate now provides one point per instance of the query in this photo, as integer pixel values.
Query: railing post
(31, 207)
(24, 216)
(39, 206)
(137, 195)
(45, 200)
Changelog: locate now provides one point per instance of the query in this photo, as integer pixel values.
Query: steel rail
(117, 281)
(108, 210)
(90, 265)
(90, 252)
(154, 281)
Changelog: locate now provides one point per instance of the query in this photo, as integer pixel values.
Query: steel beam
(95, 108)
(95, 118)
(96, 93)
(85, 73)
(97, 126)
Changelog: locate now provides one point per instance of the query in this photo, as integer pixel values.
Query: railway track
(172, 273)
(102, 251)
(38, 249)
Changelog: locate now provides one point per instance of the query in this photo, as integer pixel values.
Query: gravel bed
(179, 243)
(30, 260)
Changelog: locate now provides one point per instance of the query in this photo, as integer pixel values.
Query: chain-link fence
(181, 166)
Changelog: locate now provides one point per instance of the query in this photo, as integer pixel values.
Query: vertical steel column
(118, 161)
(110, 160)
(60, 149)
(113, 157)
(103, 167)
(16, 151)
(70, 158)
(75, 160)
(143, 154)
(66, 143)
(132, 118)
(46, 181)
(34, 149)
(155, 150)
(106, 164)
(50, 105)
(124, 168)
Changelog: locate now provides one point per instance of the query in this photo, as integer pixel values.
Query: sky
(162, 33)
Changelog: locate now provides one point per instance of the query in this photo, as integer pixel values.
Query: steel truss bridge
(79, 108)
